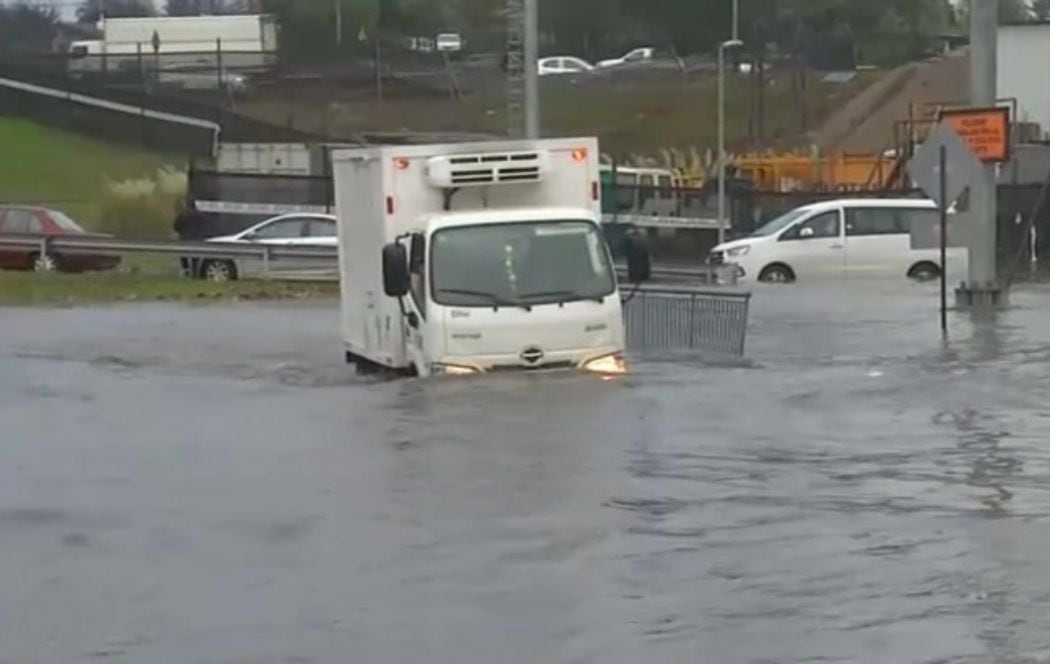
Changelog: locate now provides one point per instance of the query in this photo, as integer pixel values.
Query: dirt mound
(866, 123)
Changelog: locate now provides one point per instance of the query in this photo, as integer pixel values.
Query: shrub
(142, 208)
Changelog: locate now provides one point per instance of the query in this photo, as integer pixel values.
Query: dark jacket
(189, 226)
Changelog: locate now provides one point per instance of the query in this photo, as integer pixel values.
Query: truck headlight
(439, 369)
(607, 365)
(739, 251)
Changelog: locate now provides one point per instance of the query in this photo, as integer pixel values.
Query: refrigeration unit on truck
(178, 44)
(478, 257)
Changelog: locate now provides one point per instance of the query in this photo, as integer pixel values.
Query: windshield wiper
(493, 298)
(563, 296)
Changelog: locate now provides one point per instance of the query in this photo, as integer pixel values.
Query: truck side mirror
(639, 261)
(395, 270)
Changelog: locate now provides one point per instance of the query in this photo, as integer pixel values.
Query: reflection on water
(854, 491)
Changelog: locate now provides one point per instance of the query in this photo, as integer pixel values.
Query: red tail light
(390, 205)
(579, 154)
(594, 191)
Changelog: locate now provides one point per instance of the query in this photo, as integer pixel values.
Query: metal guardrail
(708, 274)
(105, 245)
(683, 319)
(326, 257)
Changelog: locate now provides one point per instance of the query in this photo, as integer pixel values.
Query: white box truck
(477, 257)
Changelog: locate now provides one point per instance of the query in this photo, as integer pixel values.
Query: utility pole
(338, 21)
(983, 277)
(532, 56)
(723, 223)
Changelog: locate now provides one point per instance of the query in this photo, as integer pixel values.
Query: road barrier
(687, 319)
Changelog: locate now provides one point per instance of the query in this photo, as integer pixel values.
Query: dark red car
(38, 221)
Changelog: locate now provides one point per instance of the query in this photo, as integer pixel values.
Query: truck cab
(484, 257)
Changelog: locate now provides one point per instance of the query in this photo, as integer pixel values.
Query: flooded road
(211, 485)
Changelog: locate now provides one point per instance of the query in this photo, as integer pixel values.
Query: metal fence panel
(673, 319)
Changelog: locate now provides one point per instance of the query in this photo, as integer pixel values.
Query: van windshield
(780, 223)
(520, 264)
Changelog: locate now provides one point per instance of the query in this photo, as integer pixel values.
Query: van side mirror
(395, 270)
(806, 232)
(639, 261)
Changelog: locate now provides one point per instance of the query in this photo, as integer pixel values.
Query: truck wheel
(777, 274)
(219, 270)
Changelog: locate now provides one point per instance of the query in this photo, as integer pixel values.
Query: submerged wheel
(924, 272)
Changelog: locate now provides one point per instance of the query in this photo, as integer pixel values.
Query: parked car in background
(44, 222)
(563, 64)
(635, 56)
(449, 42)
(286, 230)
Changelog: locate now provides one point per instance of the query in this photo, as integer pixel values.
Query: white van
(853, 237)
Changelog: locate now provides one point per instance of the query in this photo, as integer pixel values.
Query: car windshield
(64, 222)
(527, 264)
(780, 223)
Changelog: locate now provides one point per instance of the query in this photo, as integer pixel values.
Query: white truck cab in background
(469, 258)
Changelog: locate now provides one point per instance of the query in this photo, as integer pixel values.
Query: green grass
(30, 289)
(67, 171)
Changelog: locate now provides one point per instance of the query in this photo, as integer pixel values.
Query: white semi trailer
(173, 42)
(470, 258)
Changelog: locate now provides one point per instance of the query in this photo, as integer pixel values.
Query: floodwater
(210, 485)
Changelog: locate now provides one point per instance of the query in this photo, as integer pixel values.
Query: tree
(90, 11)
(27, 28)
(1041, 10)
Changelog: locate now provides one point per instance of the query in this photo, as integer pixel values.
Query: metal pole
(983, 64)
(736, 20)
(943, 209)
(532, 83)
(721, 143)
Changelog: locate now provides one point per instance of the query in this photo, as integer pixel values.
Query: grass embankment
(85, 178)
(27, 289)
(634, 116)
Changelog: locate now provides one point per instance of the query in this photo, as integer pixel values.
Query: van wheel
(777, 274)
(924, 272)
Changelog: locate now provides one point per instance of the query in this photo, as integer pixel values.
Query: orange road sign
(986, 131)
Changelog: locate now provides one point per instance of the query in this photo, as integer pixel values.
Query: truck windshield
(522, 264)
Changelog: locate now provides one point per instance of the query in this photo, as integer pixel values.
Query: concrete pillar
(983, 279)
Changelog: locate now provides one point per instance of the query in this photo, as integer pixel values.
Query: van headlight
(441, 369)
(739, 251)
(607, 365)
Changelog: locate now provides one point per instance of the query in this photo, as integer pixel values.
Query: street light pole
(732, 43)
(736, 20)
(532, 83)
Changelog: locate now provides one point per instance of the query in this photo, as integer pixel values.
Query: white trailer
(245, 42)
(468, 258)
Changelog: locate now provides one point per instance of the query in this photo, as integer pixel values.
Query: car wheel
(219, 271)
(924, 272)
(43, 262)
(777, 274)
